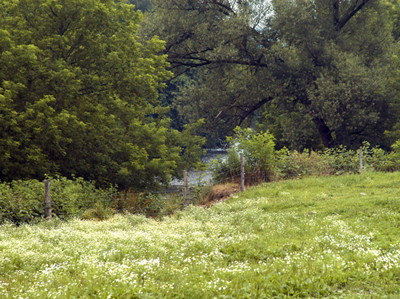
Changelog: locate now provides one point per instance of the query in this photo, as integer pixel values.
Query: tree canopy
(78, 95)
(321, 66)
(142, 5)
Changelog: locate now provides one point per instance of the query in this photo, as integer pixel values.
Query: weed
(318, 237)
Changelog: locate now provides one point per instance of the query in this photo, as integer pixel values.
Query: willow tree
(78, 95)
(323, 63)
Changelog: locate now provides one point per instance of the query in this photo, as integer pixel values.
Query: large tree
(324, 63)
(78, 95)
(142, 5)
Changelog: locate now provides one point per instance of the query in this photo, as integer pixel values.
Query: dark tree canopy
(322, 63)
(142, 5)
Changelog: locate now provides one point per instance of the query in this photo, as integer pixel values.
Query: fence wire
(232, 175)
(221, 174)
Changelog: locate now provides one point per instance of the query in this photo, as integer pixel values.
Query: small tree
(259, 153)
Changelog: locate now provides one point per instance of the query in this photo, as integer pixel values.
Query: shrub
(295, 164)
(23, 201)
(330, 161)
(262, 163)
(392, 161)
(259, 155)
(172, 203)
(342, 160)
(148, 204)
(100, 211)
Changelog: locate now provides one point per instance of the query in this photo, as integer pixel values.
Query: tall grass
(285, 164)
(320, 237)
(23, 201)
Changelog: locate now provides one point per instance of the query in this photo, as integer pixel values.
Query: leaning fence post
(241, 173)
(47, 199)
(361, 162)
(186, 186)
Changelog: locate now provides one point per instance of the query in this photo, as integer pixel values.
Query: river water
(201, 176)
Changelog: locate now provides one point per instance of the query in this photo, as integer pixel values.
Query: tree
(142, 5)
(78, 95)
(327, 60)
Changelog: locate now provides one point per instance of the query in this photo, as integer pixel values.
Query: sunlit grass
(327, 237)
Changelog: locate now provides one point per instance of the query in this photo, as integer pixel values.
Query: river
(201, 176)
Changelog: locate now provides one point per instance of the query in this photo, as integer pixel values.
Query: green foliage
(292, 130)
(148, 204)
(257, 149)
(285, 164)
(191, 144)
(172, 204)
(99, 212)
(143, 5)
(393, 8)
(390, 161)
(200, 190)
(335, 161)
(78, 96)
(226, 167)
(294, 164)
(321, 237)
(23, 201)
(320, 69)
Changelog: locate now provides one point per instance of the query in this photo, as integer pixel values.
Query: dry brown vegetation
(218, 193)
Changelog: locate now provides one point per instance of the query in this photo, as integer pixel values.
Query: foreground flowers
(263, 246)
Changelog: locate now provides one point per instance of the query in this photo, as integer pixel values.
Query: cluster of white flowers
(195, 248)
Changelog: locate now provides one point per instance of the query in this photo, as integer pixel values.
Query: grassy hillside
(331, 237)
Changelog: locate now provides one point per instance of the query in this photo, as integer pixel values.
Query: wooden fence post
(47, 199)
(186, 186)
(361, 162)
(241, 172)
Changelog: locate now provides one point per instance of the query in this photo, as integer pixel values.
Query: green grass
(326, 237)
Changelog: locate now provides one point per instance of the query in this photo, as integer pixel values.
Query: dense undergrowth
(263, 163)
(22, 201)
(319, 237)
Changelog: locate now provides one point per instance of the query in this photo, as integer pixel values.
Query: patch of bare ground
(218, 193)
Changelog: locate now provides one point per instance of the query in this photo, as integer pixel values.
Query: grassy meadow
(325, 237)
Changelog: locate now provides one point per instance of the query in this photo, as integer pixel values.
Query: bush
(148, 204)
(330, 161)
(392, 160)
(259, 156)
(263, 163)
(295, 164)
(342, 160)
(23, 201)
(99, 212)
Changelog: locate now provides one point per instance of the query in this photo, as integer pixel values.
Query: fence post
(186, 186)
(47, 199)
(241, 172)
(361, 162)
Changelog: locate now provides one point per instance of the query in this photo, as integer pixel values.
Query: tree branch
(353, 9)
(254, 108)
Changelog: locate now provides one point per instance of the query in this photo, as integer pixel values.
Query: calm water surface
(201, 176)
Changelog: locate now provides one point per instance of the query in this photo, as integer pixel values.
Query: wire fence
(233, 175)
(150, 202)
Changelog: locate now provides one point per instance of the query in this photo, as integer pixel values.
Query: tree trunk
(324, 132)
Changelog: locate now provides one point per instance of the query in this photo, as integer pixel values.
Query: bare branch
(254, 108)
(353, 9)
